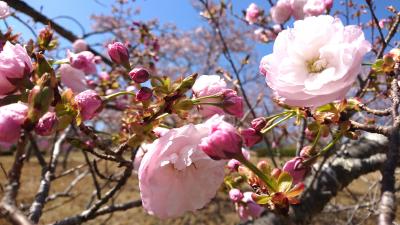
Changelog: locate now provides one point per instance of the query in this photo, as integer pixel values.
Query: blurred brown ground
(219, 212)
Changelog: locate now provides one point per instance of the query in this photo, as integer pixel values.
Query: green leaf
(262, 199)
(377, 66)
(284, 182)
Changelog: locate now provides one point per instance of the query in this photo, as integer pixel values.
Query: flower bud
(4, 10)
(47, 124)
(119, 53)
(251, 136)
(307, 151)
(232, 103)
(235, 195)
(45, 37)
(139, 75)
(84, 61)
(258, 123)
(295, 168)
(79, 45)
(233, 165)
(224, 142)
(89, 104)
(276, 172)
(11, 118)
(144, 94)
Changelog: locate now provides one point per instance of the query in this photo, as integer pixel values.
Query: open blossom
(207, 85)
(79, 45)
(224, 141)
(316, 7)
(12, 116)
(252, 13)
(176, 176)
(73, 78)
(316, 62)
(14, 64)
(89, 104)
(85, 61)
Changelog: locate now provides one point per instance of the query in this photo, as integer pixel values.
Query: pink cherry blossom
(176, 176)
(316, 62)
(235, 195)
(73, 78)
(79, 45)
(12, 116)
(232, 103)
(85, 61)
(252, 13)
(15, 63)
(281, 12)
(251, 136)
(207, 85)
(89, 104)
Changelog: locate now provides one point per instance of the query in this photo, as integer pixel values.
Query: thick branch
(39, 17)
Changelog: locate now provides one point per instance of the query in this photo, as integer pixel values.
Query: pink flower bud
(235, 195)
(258, 123)
(79, 45)
(252, 13)
(84, 61)
(47, 124)
(314, 7)
(4, 10)
(224, 142)
(11, 118)
(118, 53)
(295, 168)
(281, 12)
(233, 165)
(328, 4)
(89, 104)
(251, 136)
(15, 64)
(232, 103)
(144, 94)
(139, 75)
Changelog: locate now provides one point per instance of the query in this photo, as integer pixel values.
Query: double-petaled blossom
(85, 61)
(223, 142)
(89, 104)
(208, 85)
(174, 172)
(73, 78)
(252, 13)
(79, 45)
(15, 63)
(47, 124)
(316, 62)
(4, 10)
(317, 7)
(12, 117)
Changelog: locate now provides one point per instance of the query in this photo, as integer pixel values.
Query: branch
(35, 212)
(13, 214)
(21, 6)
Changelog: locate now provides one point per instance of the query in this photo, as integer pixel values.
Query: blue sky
(179, 12)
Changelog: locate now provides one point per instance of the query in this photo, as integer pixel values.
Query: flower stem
(268, 181)
(112, 96)
(265, 130)
(325, 149)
